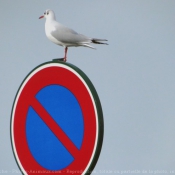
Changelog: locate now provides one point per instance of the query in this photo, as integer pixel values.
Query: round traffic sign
(56, 121)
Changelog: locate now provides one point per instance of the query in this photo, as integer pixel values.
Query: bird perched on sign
(64, 36)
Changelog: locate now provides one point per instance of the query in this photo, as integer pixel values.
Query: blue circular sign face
(62, 105)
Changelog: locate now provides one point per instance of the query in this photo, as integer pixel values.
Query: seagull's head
(48, 14)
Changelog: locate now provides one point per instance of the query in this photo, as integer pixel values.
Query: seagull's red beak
(41, 17)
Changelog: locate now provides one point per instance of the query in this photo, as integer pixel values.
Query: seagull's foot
(58, 59)
(64, 59)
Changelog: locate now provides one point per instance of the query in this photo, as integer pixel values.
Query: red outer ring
(42, 77)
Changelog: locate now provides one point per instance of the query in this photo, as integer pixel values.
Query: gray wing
(69, 36)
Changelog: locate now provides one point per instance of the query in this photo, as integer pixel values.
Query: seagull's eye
(47, 13)
(44, 13)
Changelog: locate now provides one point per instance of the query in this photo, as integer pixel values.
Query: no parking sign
(57, 121)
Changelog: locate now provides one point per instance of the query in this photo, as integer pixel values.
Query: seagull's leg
(65, 55)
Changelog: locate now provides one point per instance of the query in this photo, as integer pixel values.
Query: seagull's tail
(98, 41)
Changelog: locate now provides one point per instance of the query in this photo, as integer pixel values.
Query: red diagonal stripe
(54, 127)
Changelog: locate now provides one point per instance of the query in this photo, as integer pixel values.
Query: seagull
(64, 36)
